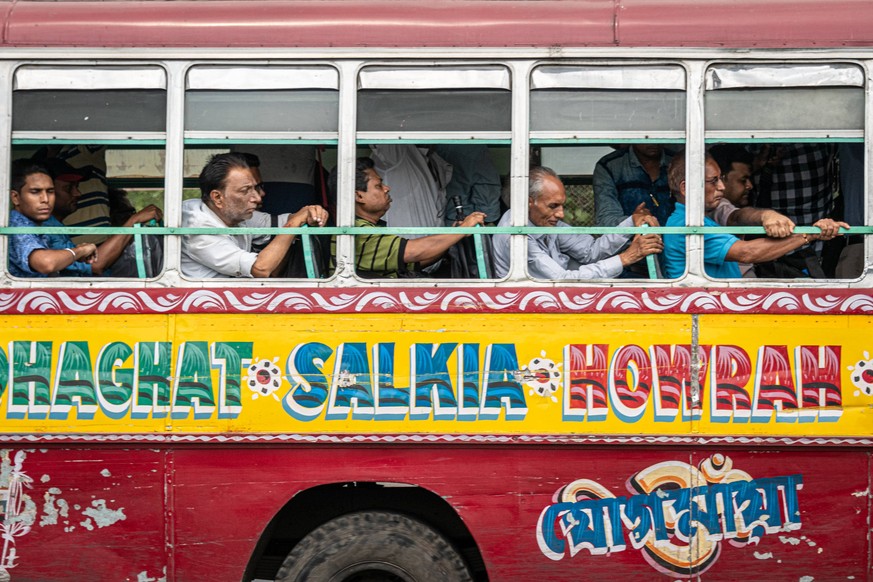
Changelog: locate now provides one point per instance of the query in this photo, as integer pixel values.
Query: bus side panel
(78, 514)
(552, 514)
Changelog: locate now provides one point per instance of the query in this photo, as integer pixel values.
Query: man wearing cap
(43, 196)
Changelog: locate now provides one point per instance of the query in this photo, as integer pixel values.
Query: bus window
(790, 139)
(284, 121)
(437, 138)
(70, 121)
(608, 132)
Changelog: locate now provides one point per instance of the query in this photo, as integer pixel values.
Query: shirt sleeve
(716, 247)
(587, 249)
(220, 253)
(607, 208)
(20, 247)
(542, 266)
(723, 211)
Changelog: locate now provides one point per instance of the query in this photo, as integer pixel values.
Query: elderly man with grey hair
(572, 256)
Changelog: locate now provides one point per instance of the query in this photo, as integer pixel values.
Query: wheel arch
(310, 508)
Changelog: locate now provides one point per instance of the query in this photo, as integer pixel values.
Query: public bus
(325, 426)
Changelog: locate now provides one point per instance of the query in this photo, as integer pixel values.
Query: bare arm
(775, 224)
(272, 257)
(762, 250)
(428, 249)
(48, 261)
(112, 247)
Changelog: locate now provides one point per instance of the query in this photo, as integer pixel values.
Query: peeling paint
(763, 555)
(863, 493)
(806, 579)
(789, 540)
(53, 507)
(144, 576)
(102, 515)
(106, 473)
(820, 550)
(44, 479)
(87, 524)
(18, 508)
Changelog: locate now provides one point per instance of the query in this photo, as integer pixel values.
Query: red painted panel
(745, 23)
(301, 23)
(224, 497)
(441, 23)
(99, 515)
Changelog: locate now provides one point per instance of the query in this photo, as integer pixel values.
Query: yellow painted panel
(538, 374)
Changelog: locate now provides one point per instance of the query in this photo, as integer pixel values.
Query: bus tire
(374, 545)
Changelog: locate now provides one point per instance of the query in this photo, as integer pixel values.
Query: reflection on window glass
(468, 110)
(288, 110)
(131, 110)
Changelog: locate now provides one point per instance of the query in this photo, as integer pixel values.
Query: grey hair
(535, 180)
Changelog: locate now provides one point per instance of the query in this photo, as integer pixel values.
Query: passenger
(735, 208)
(722, 252)
(388, 255)
(850, 263)
(420, 191)
(254, 163)
(93, 204)
(630, 176)
(60, 197)
(571, 256)
(41, 255)
(229, 197)
(475, 182)
(290, 175)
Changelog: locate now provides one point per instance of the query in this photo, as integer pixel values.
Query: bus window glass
(823, 98)
(587, 99)
(609, 133)
(436, 100)
(76, 99)
(263, 99)
(283, 121)
(772, 131)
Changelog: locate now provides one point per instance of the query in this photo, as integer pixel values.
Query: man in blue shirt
(43, 196)
(722, 252)
(41, 255)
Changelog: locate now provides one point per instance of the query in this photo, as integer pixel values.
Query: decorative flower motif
(264, 378)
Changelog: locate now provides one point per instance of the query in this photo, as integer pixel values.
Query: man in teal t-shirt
(722, 252)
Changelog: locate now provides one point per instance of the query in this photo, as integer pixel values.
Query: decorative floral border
(413, 438)
(436, 300)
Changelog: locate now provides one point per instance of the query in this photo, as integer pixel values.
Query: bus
(327, 426)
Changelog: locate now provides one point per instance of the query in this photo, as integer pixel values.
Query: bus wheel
(374, 546)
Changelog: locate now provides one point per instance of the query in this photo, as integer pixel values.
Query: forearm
(762, 250)
(429, 249)
(48, 261)
(109, 251)
(272, 256)
(747, 216)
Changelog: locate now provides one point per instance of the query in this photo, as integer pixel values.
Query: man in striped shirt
(387, 255)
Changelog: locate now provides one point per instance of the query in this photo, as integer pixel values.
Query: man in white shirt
(229, 198)
(572, 256)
